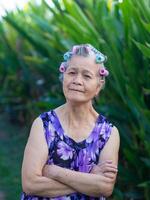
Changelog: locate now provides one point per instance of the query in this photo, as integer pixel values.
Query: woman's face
(81, 79)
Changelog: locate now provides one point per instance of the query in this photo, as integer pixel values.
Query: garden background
(32, 43)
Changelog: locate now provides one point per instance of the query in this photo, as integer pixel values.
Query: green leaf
(144, 184)
(145, 50)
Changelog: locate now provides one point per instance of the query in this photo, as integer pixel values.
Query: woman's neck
(77, 114)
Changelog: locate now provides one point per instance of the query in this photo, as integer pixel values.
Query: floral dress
(67, 153)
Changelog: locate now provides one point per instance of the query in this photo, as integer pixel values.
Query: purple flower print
(108, 129)
(57, 125)
(23, 197)
(49, 161)
(83, 161)
(51, 134)
(45, 119)
(103, 129)
(64, 151)
(94, 135)
(61, 198)
(93, 150)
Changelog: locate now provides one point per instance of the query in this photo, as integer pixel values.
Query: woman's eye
(87, 76)
(72, 73)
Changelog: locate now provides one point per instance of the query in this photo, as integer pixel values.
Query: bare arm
(86, 183)
(95, 184)
(108, 160)
(35, 157)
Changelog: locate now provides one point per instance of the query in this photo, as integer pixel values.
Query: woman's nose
(77, 80)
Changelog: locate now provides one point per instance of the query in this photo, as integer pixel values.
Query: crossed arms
(52, 181)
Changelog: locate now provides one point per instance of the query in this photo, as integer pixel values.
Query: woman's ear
(100, 86)
(102, 82)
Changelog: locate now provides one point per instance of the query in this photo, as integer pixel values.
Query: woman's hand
(50, 171)
(45, 171)
(91, 184)
(105, 168)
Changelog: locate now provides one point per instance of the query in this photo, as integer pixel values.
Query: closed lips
(75, 90)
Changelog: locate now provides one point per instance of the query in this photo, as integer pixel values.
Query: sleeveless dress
(67, 153)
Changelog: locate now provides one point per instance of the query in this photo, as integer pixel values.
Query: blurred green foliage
(33, 41)
(14, 138)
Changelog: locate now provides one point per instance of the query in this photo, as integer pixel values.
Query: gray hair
(83, 50)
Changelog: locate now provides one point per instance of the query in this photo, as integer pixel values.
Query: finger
(104, 164)
(109, 178)
(105, 161)
(110, 169)
(111, 166)
(108, 165)
(110, 175)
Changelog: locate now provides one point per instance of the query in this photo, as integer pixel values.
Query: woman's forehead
(81, 62)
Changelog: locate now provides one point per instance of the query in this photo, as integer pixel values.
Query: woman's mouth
(76, 90)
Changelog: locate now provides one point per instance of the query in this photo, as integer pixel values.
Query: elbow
(108, 190)
(108, 193)
(26, 189)
(28, 185)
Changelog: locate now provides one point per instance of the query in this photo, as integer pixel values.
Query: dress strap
(105, 130)
(49, 130)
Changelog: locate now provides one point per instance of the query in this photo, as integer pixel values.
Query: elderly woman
(72, 151)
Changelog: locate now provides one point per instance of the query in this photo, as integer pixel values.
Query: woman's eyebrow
(72, 68)
(84, 71)
(89, 72)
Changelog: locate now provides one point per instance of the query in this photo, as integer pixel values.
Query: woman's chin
(76, 99)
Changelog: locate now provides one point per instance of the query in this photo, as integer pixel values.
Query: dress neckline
(61, 129)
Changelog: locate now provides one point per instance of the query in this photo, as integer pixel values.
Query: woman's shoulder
(114, 139)
(105, 119)
(48, 117)
(115, 132)
(109, 125)
(50, 111)
(45, 114)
